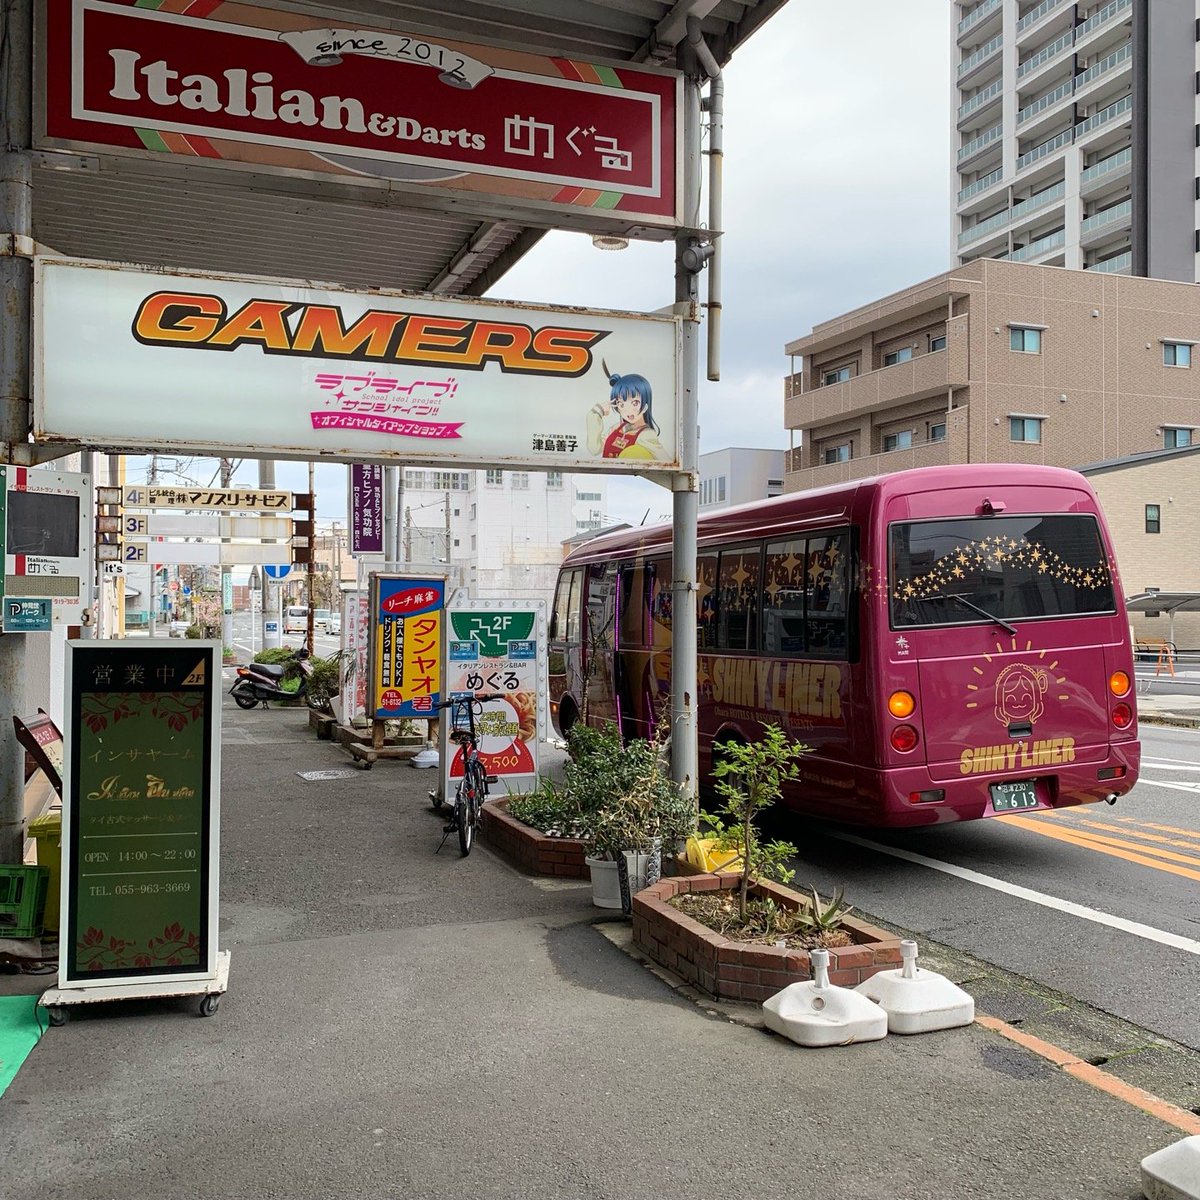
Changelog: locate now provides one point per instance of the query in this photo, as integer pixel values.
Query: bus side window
(783, 598)
(573, 608)
(706, 602)
(737, 607)
(562, 598)
(602, 578)
(635, 604)
(827, 560)
(661, 598)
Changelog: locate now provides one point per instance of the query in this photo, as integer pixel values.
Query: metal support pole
(312, 553)
(270, 589)
(16, 298)
(685, 497)
(226, 573)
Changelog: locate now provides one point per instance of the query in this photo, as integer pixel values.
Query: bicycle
(472, 788)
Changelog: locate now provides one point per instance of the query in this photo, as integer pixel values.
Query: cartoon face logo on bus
(1019, 692)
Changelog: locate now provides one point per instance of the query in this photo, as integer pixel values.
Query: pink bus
(951, 642)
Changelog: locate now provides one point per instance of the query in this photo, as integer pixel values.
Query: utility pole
(447, 534)
(226, 573)
(16, 294)
(271, 590)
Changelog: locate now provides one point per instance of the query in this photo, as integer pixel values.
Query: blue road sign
(277, 572)
(28, 616)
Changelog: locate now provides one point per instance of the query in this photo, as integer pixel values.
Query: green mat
(19, 1033)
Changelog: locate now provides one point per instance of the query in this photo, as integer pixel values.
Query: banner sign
(406, 651)
(276, 370)
(366, 508)
(145, 495)
(499, 646)
(356, 640)
(363, 105)
(140, 812)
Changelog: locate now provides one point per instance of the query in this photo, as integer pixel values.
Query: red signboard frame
(487, 124)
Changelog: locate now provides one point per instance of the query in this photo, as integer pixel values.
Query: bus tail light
(904, 737)
(1122, 716)
(933, 797)
(1118, 683)
(1111, 773)
(901, 704)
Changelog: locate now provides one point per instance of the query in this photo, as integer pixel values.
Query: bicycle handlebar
(450, 701)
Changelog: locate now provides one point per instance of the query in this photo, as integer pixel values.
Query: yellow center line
(1181, 843)
(1085, 815)
(1112, 847)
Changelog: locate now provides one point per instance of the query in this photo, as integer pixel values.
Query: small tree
(750, 778)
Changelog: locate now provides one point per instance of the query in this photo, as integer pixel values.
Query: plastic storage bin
(46, 831)
(22, 899)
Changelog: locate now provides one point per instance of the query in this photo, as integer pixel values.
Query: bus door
(599, 617)
(633, 652)
(565, 660)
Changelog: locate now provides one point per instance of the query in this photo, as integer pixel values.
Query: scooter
(259, 682)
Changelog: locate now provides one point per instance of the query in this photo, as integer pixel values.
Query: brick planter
(530, 849)
(742, 970)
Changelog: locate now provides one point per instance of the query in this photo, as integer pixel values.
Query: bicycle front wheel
(464, 818)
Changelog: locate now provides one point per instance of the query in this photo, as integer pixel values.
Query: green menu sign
(140, 812)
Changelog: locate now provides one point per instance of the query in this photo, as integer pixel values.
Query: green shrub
(549, 810)
(194, 631)
(280, 654)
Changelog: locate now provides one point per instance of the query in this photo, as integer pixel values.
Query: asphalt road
(1096, 902)
(247, 637)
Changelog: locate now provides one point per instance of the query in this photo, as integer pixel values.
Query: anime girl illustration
(1019, 691)
(624, 426)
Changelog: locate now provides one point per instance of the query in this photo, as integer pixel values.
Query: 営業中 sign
(140, 812)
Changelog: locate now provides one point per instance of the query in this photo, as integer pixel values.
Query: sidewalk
(405, 1023)
(1169, 700)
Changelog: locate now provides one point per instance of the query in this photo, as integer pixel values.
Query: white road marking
(1179, 787)
(1169, 764)
(1147, 932)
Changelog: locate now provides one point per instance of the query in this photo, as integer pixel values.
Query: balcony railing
(985, 139)
(1114, 162)
(978, 100)
(1050, 242)
(1039, 200)
(1108, 216)
(1048, 100)
(1055, 143)
(1036, 14)
(976, 15)
(1118, 265)
(981, 228)
(1106, 14)
(984, 52)
(1046, 53)
(1106, 64)
(1111, 113)
(980, 185)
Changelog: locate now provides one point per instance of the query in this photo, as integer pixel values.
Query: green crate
(22, 901)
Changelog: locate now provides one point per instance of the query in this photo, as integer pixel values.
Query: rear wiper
(983, 612)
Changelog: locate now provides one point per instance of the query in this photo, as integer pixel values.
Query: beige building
(995, 362)
(1152, 504)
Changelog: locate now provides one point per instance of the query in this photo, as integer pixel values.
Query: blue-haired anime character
(624, 426)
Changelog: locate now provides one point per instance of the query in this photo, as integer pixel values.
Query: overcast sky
(837, 189)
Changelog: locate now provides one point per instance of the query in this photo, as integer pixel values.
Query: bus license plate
(1007, 797)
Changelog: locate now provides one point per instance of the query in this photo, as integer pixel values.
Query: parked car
(334, 624)
(178, 629)
(321, 618)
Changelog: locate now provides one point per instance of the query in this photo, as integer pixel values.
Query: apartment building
(1074, 128)
(738, 475)
(995, 362)
(501, 530)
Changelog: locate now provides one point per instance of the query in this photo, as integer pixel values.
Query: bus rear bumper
(911, 796)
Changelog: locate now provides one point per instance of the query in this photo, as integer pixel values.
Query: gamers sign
(362, 105)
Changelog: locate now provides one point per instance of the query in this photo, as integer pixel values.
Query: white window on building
(892, 357)
(901, 440)
(554, 479)
(837, 454)
(1177, 354)
(587, 495)
(474, 541)
(1176, 438)
(720, 489)
(1024, 340)
(837, 375)
(937, 431)
(472, 512)
(937, 342)
(520, 481)
(495, 478)
(774, 487)
(1025, 429)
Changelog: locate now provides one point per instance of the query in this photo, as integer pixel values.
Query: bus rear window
(1011, 567)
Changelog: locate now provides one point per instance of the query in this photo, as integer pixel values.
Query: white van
(295, 618)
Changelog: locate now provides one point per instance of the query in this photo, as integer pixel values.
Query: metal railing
(984, 52)
(976, 15)
(1113, 162)
(1036, 14)
(980, 228)
(1106, 64)
(1050, 98)
(1117, 265)
(1055, 143)
(1106, 216)
(1046, 53)
(1109, 113)
(990, 92)
(1050, 242)
(1106, 14)
(985, 139)
(980, 185)
(1039, 200)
